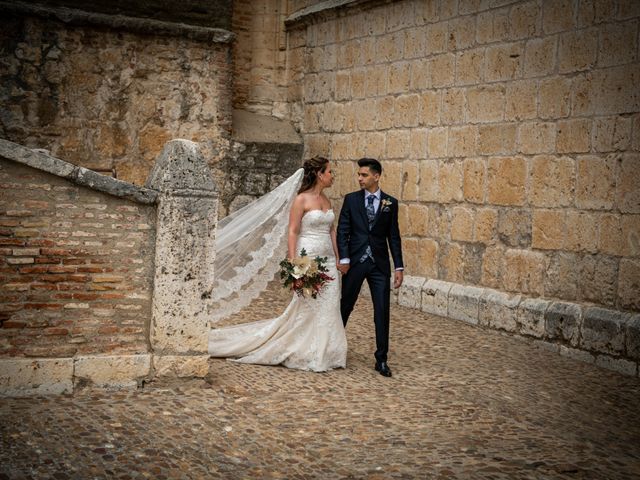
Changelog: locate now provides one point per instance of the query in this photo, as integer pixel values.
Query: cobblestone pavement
(463, 403)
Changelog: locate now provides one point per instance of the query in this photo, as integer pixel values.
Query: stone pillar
(185, 250)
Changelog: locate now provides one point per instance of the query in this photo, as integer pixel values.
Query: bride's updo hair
(312, 167)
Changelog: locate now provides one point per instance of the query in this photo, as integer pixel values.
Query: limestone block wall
(259, 57)
(107, 92)
(509, 131)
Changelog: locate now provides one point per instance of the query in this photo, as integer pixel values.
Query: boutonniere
(386, 203)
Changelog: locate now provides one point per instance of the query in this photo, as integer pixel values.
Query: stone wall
(509, 131)
(107, 92)
(260, 69)
(76, 277)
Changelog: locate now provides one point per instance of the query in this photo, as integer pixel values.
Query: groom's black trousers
(380, 287)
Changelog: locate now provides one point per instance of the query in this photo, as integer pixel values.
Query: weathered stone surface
(577, 354)
(499, 310)
(628, 191)
(410, 294)
(514, 227)
(619, 365)
(629, 284)
(563, 322)
(506, 180)
(562, 276)
(604, 331)
(596, 182)
(552, 181)
(632, 337)
(435, 297)
(525, 271)
(43, 376)
(548, 229)
(180, 366)
(531, 316)
(185, 249)
(597, 278)
(111, 371)
(81, 176)
(464, 303)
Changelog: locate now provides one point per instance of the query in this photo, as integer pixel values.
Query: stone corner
(181, 366)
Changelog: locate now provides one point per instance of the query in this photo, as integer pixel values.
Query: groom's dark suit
(355, 233)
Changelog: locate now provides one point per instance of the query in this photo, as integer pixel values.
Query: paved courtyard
(463, 403)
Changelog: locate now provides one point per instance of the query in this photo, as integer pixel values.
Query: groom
(367, 228)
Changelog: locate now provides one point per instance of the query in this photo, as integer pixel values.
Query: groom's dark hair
(372, 163)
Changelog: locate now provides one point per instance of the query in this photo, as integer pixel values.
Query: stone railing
(103, 282)
(607, 338)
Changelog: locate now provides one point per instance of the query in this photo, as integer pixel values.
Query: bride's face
(326, 178)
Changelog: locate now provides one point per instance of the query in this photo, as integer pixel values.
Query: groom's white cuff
(400, 269)
(345, 261)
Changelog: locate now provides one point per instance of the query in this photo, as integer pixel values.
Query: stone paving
(463, 403)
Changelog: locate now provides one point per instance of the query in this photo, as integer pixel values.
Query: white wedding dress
(309, 335)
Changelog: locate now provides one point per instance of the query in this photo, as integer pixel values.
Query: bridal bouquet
(304, 275)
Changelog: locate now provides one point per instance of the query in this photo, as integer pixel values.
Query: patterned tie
(371, 215)
(371, 212)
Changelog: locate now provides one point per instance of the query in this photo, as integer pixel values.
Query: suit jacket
(353, 233)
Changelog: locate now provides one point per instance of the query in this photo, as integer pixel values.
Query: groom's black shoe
(383, 368)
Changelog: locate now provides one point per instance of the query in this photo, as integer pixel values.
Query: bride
(309, 335)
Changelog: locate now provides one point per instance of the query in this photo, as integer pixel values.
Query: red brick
(9, 223)
(36, 204)
(13, 324)
(108, 329)
(86, 296)
(55, 331)
(57, 251)
(43, 286)
(12, 241)
(40, 242)
(41, 260)
(54, 278)
(61, 269)
(40, 269)
(112, 296)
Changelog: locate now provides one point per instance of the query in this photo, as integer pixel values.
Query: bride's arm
(295, 217)
(334, 242)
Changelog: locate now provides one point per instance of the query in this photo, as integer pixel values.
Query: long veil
(249, 246)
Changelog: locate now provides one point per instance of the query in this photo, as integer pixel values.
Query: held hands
(397, 278)
(343, 268)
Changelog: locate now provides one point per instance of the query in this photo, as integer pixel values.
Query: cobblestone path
(463, 403)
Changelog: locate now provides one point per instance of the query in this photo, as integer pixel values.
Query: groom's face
(367, 179)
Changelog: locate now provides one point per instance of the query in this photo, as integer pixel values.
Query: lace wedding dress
(309, 335)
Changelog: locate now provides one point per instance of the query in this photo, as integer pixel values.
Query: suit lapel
(383, 196)
(362, 209)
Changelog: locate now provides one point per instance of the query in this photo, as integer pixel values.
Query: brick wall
(76, 268)
(510, 134)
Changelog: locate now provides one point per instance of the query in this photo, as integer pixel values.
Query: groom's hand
(343, 268)
(398, 277)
